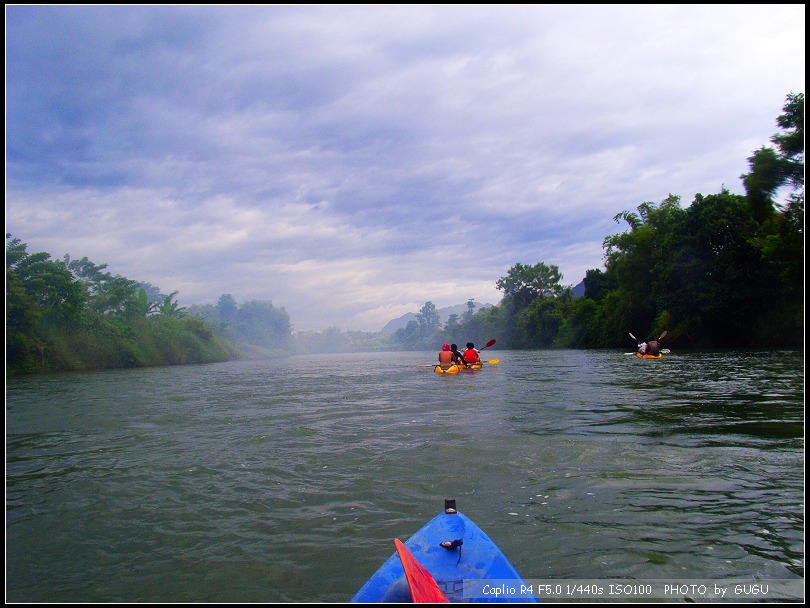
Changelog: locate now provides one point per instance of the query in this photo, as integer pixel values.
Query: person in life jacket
(653, 347)
(457, 356)
(446, 356)
(471, 354)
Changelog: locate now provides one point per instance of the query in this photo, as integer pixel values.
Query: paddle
(424, 589)
(661, 337)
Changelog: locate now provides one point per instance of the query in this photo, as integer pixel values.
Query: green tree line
(73, 315)
(726, 271)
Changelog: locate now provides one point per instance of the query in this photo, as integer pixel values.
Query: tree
(227, 308)
(791, 143)
(597, 284)
(468, 314)
(46, 283)
(763, 181)
(452, 326)
(523, 284)
(771, 170)
(636, 262)
(107, 294)
(139, 306)
(153, 293)
(169, 308)
(428, 319)
(718, 277)
(408, 336)
(540, 323)
(265, 325)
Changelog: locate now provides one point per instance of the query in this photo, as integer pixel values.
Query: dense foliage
(71, 315)
(726, 271)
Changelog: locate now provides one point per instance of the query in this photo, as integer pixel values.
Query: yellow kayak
(640, 356)
(455, 368)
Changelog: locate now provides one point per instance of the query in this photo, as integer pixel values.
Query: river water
(287, 480)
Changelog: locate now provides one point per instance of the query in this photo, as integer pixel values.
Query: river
(286, 480)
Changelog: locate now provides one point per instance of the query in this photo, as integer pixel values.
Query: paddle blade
(424, 588)
(661, 337)
(488, 344)
(494, 361)
(634, 338)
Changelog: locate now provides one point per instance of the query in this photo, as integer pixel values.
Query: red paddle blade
(424, 589)
(488, 344)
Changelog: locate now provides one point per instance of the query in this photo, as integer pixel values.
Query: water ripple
(286, 481)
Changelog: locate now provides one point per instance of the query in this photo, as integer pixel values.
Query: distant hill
(444, 314)
(458, 309)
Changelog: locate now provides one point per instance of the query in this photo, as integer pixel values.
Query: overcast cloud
(350, 163)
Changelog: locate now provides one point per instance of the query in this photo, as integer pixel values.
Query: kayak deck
(465, 569)
(455, 368)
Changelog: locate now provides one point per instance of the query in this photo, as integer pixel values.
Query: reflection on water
(287, 480)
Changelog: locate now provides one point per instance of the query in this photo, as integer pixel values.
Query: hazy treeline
(726, 271)
(72, 315)
(256, 328)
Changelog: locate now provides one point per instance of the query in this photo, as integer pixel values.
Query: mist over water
(287, 480)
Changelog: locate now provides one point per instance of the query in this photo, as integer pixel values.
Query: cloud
(348, 161)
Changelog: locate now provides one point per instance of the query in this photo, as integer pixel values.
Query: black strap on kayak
(453, 544)
(450, 509)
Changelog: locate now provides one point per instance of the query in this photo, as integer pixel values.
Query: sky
(351, 162)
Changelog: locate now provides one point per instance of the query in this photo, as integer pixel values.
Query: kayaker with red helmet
(446, 356)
